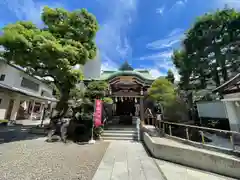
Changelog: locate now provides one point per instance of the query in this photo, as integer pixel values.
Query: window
(26, 83)
(2, 77)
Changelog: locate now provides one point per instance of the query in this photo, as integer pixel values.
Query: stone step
(119, 138)
(119, 128)
(120, 131)
(119, 135)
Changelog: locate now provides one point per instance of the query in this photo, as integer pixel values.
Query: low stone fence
(187, 155)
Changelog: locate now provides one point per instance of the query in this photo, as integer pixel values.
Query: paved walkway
(129, 161)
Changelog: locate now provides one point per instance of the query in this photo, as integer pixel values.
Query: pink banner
(98, 113)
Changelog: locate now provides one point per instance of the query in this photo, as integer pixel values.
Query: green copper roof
(142, 74)
(125, 67)
(126, 70)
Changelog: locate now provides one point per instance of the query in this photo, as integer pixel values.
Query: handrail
(164, 125)
(200, 127)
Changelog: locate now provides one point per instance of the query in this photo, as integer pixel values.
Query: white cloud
(178, 4)
(27, 9)
(172, 39)
(166, 65)
(229, 3)
(181, 2)
(162, 62)
(176, 31)
(112, 37)
(156, 73)
(160, 10)
(108, 64)
(158, 56)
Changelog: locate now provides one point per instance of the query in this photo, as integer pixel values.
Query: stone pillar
(42, 111)
(232, 116)
(33, 105)
(141, 109)
(15, 108)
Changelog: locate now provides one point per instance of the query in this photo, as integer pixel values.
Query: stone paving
(35, 159)
(129, 161)
(174, 171)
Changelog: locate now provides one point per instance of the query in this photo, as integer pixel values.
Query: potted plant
(4, 122)
(97, 132)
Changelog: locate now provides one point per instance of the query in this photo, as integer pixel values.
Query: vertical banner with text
(98, 113)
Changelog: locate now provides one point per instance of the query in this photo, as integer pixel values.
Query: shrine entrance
(125, 110)
(125, 106)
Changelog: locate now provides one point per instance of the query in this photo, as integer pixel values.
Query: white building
(231, 99)
(22, 96)
(92, 69)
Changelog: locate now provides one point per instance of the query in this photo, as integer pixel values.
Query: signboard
(126, 78)
(98, 113)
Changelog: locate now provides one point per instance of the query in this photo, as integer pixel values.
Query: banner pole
(92, 141)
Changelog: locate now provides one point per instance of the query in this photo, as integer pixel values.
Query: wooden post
(141, 109)
(202, 136)
(232, 141)
(170, 130)
(187, 134)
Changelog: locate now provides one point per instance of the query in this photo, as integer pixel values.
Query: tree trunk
(216, 76)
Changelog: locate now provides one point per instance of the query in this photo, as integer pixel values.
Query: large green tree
(162, 91)
(209, 50)
(96, 89)
(170, 76)
(66, 40)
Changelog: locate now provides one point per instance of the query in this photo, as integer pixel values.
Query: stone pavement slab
(173, 143)
(129, 161)
(174, 171)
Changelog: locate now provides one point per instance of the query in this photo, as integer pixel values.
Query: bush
(97, 132)
(3, 122)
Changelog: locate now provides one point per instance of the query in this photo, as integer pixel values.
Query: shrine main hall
(128, 89)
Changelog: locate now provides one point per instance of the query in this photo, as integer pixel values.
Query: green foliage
(162, 91)
(66, 40)
(96, 89)
(97, 131)
(209, 50)
(108, 100)
(170, 76)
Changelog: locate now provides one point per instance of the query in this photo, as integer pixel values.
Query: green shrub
(3, 121)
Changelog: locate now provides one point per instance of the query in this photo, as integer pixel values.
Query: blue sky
(143, 32)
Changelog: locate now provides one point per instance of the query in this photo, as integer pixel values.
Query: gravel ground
(37, 159)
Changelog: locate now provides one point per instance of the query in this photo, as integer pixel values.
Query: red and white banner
(98, 113)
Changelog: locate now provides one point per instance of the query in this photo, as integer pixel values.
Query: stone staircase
(120, 133)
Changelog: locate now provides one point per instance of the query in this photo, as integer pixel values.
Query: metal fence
(207, 136)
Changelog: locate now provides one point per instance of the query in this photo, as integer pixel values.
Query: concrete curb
(211, 162)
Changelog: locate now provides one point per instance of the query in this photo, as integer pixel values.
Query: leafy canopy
(66, 40)
(96, 89)
(210, 50)
(170, 76)
(162, 91)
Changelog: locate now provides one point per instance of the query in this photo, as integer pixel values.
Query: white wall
(14, 78)
(92, 69)
(234, 95)
(3, 105)
(233, 113)
(213, 109)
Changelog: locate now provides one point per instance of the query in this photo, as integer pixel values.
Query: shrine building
(128, 88)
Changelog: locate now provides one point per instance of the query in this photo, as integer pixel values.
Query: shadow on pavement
(17, 133)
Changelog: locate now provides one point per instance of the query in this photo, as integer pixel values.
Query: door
(9, 110)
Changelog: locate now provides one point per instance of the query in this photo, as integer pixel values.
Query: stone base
(38, 130)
